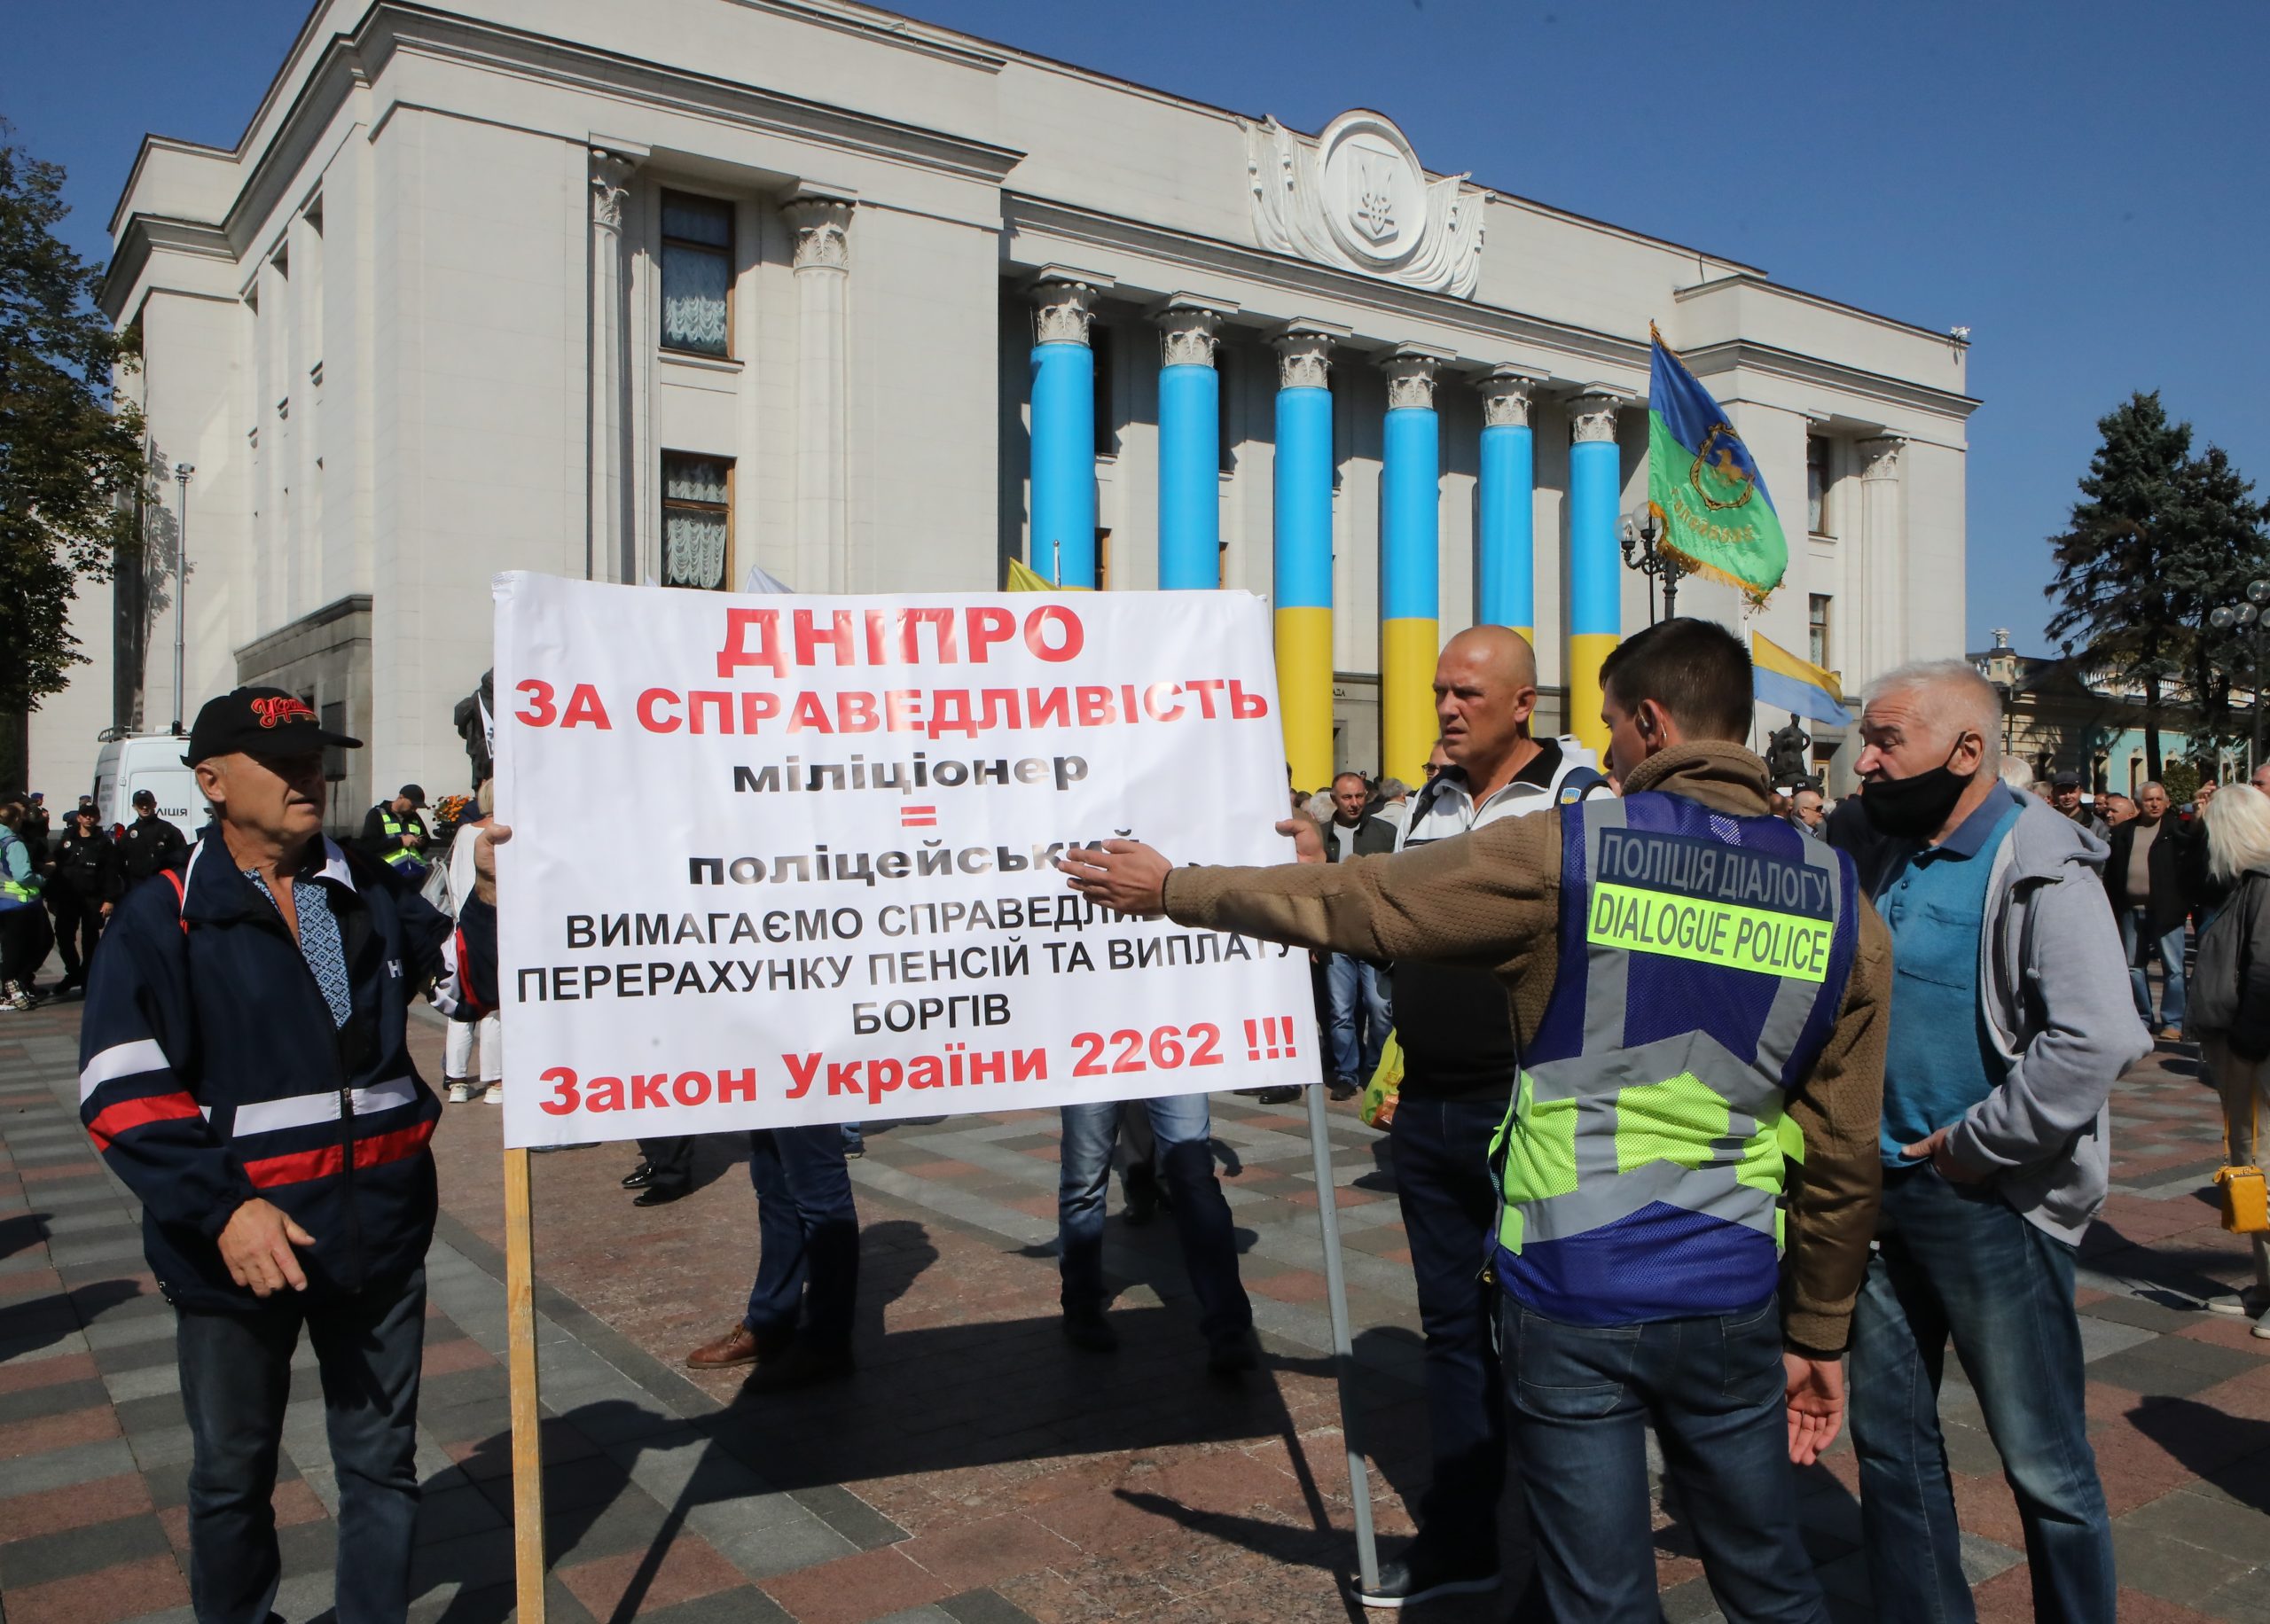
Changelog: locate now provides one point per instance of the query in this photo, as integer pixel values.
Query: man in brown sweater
(1700, 994)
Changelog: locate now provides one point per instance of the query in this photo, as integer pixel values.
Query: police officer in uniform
(149, 843)
(394, 833)
(87, 883)
(1689, 1167)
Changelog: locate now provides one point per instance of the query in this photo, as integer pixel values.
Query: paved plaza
(977, 1469)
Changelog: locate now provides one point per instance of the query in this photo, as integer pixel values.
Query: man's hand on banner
(484, 861)
(1125, 875)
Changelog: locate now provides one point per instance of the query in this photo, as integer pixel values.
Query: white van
(147, 761)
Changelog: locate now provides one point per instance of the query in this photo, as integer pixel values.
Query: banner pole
(1343, 1354)
(527, 1438)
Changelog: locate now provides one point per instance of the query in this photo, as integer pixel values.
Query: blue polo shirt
(1940, 1060)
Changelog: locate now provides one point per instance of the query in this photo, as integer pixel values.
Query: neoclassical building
(662, 294)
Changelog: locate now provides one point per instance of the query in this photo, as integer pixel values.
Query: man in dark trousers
(87, 882)
(245, 1069)
(2153, 859)
(1356, 989)
(149, 843)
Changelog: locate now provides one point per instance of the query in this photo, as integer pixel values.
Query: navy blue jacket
(211, 1071)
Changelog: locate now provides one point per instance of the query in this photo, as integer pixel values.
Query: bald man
(1460, 1060)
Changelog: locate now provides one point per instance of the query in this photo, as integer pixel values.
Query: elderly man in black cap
(396, 835)
(245, 1069)
(2065, 795)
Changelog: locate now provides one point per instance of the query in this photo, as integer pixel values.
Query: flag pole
(1343, 1353)
(528, 1437)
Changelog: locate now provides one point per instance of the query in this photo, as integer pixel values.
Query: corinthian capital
(1507, 394)
(1591, 417)
(822, 224)
(1304, 353)
(610, 186)
(1880, 458)
(1064, 304)
(1411, 370)
(1189, 331)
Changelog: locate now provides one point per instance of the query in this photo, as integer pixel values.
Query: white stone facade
(411, 333)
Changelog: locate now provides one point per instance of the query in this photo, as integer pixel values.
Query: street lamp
(1642, 553)
(182, 471)
(2240, 617)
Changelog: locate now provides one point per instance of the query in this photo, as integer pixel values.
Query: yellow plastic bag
(1377, 1108)
(2246, 1208)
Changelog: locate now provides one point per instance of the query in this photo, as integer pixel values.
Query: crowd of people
(1714, 1098)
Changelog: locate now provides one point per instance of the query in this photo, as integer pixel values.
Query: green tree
(2158, 538)
(71, 467)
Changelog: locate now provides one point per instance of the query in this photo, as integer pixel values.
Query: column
(1507, 594)
(1410, 561)
(1302, 584)
(1063, 546)
(1596, 586)
(1190, 431)
(821, 268)
(608, 534)
(1881, 612)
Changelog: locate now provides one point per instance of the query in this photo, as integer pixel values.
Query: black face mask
(1915, 808)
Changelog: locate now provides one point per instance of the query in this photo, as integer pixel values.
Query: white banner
(784, 860)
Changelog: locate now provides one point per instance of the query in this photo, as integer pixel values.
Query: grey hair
(1963, 698)
(1393, 789)
(2238, 830)
(2017, 774)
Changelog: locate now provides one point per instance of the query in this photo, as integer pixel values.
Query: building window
(697, 274)
(1818, 648)
(697, 521)
(1817, 485)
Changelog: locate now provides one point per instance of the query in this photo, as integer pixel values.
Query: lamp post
(2249, 616)
(1641, 552)
(182, 471)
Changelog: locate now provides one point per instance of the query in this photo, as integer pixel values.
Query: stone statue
(475, 717)
(1789, 755)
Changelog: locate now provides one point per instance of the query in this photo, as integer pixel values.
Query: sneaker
(1089, 1330)
(460, 1091)
(1417, 1575)
(2252, 1303)
(2262, 1325)
(495, 1095)
(1344, 1088)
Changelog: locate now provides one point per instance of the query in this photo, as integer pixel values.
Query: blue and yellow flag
(1709, 499)
(1024, 578)
(1778, 679)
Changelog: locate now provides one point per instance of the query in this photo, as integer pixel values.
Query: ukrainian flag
(1780, 679)
(1703, 486)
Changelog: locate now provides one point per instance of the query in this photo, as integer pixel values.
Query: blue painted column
(1506, 594)
(1301, 583)
(1190, 431)
(1063, 540)
(1410, 563)
(1595, 565)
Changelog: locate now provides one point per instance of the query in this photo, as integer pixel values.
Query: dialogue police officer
(1677, 1106)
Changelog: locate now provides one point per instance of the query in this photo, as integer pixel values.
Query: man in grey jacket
(2008, 1027)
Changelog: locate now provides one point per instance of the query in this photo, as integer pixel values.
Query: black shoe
(660, 1195)
(1284, 1095)
(640, 1177)
(1232, 1355)
(1344, 1088)
(1416, 1576)
(1091, 1331)
(801, 1365)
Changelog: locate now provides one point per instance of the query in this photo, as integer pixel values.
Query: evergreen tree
(71, 467)
(2158, 539)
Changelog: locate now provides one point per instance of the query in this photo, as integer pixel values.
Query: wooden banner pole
(528, 1437)
(1343, 1353)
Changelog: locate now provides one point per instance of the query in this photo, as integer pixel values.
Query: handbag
(2246, 1203)
(1377, 1107)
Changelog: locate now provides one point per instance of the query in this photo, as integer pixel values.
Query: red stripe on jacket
(302, 1166)
(113, 1120)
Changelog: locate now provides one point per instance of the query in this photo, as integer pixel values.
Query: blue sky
(2085, 195)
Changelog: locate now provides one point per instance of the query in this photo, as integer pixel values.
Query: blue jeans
(1356, 989)
(808, 1236)
(2170, 951)
(1957, 1263)
(1201, 1217)
(1448, 1200)
(235, 1378)
(1713, 1387)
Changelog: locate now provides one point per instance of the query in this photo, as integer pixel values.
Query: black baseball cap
(2067, 780)
(415, 794)
(259, 721)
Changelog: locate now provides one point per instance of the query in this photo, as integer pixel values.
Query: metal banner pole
(527, 1438)
(1343, 1354)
